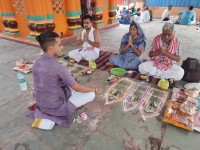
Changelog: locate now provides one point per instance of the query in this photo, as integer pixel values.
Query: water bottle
(22, 82)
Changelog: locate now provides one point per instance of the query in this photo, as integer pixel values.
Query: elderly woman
(164, 53)
(132, 46)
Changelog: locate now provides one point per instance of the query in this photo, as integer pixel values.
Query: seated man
(186, 16)
(150, 13)
(56, 92)
(133, 9)
(195, 21)
(89, 38)
(146, 15)
(120, 13)
(164, 53)
(138, 17)
(166, 14)
(125, 17)
(132, 46)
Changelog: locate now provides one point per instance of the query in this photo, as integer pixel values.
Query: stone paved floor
(109, 128)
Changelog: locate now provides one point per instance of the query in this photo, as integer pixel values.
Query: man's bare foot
(71, 60)
(109, 64)
(171, 81)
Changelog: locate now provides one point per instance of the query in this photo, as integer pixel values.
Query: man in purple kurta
(53, 84)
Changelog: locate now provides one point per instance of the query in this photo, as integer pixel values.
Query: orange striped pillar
(8, 18)
(1, 24)
(47, 6)
(98, 7)
(98, 11)
(73, 13)
(2, 28)
(40, 16)
(112, 11)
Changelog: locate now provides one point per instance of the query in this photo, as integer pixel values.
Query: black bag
(191, 67)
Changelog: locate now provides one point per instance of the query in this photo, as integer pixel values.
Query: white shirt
(146, 16)
(166, 14)
(90, 37)
(193, 22)
(86, 45)
(138, 19)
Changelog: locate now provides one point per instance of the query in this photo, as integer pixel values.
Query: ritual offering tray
(153, 103)
(112, 79)
(135, 97)
(174, 115)
(182, 109)
(148, 100)
(76, 70)
(118, 91)
(181, 95)
(86, 71)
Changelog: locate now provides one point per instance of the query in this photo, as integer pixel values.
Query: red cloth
(166, 63)
(32, 107)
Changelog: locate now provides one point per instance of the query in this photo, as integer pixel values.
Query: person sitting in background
(186, 16)
(56, 92)
(132, 46)
(165, 51)
(195, 21)
(125, 18)
(150, 12)
(89, 38)
(120, 12)
(166, 14)
(146, 15)
(133, 9)
(138, 17)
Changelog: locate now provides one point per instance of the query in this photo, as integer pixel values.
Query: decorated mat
(104, 58)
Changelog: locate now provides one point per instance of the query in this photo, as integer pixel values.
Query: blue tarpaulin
(174, 3)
